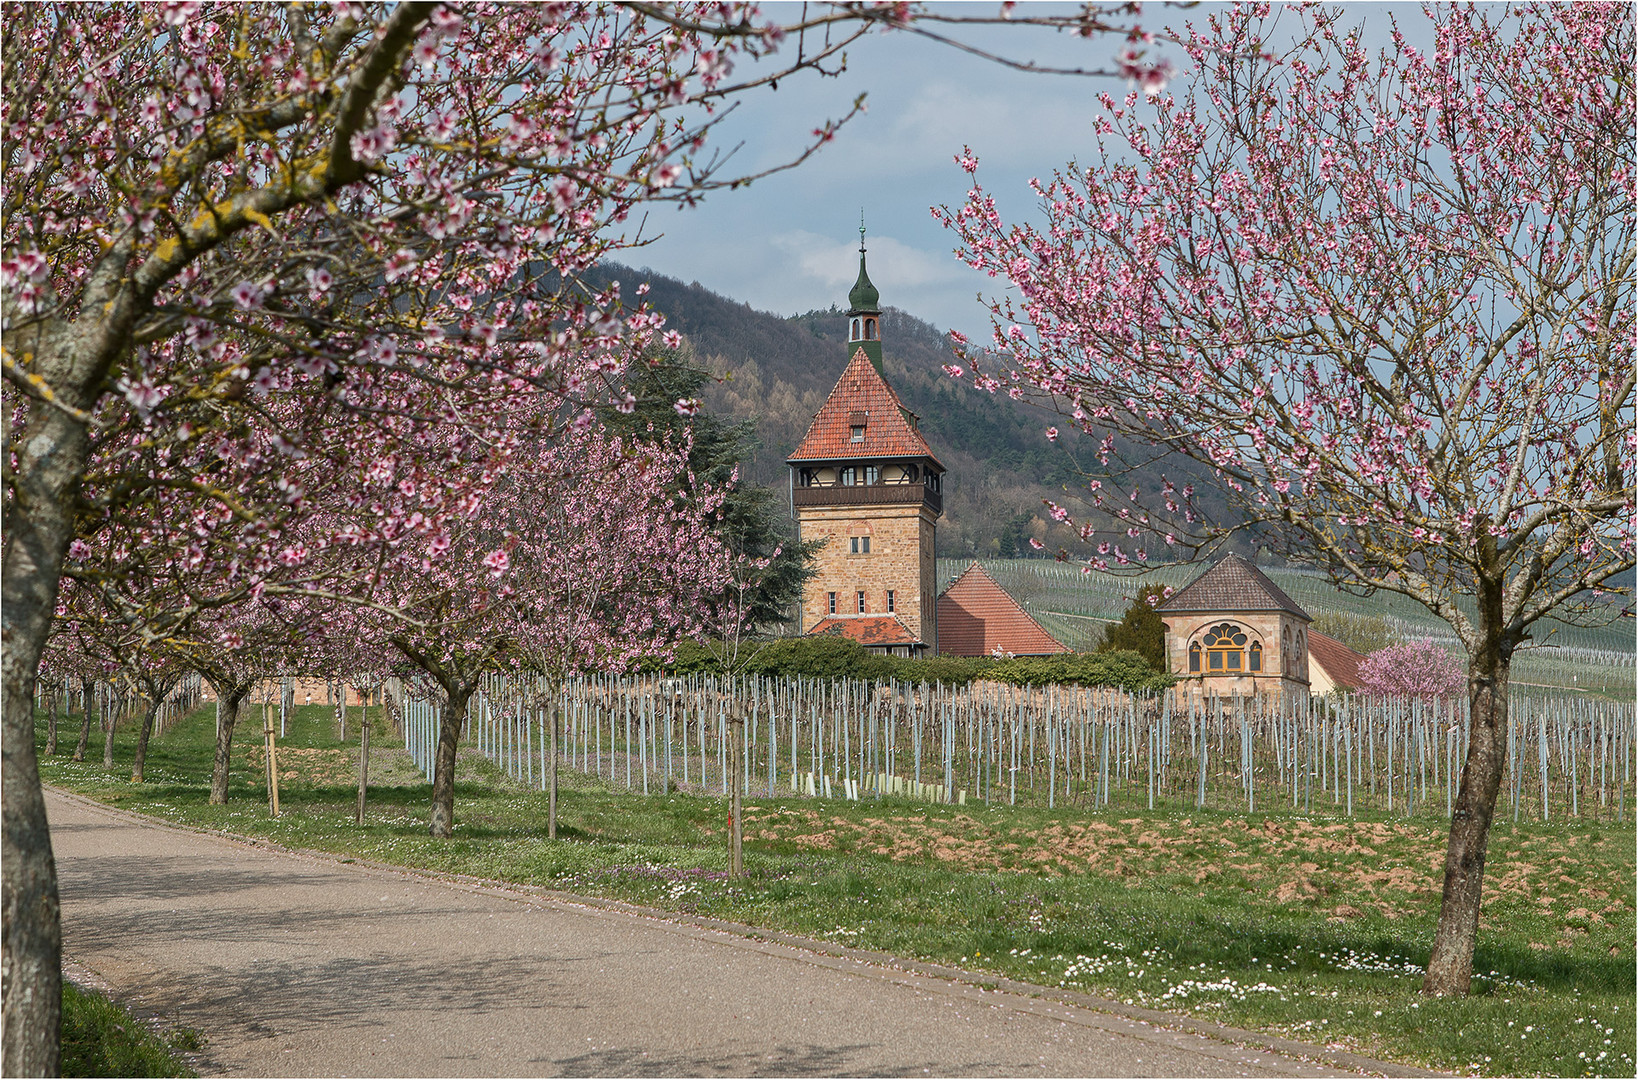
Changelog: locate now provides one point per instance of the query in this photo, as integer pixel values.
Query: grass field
(1311, 927)
(102, 1039)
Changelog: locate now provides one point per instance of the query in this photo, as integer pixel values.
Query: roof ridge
(1215, 590)
(985, 583)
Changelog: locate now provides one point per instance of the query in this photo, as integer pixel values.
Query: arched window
(1256, 656)
(853, 331)
(1194, 656)
(1226, 648)
(870, 329)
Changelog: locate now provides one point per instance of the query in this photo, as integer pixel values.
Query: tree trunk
(363, 762)
(51, 726)
(232, 700)
(551, 774)
(110, 717)
(31, 969)
(1450, 967)
(442, 822)
(86, 698)
(148, 717)
(38, 525)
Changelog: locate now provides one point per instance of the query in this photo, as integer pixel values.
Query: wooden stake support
(736, 795)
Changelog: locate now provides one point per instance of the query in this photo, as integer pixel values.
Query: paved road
(300, 966)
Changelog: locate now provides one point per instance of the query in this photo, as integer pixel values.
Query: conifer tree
(1141, 630)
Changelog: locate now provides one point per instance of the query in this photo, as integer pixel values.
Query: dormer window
(856, 433)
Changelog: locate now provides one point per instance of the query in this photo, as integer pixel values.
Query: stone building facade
(865, 481)
(1233, 632)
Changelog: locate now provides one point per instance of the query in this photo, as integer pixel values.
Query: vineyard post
(551, 764)
(736, 801)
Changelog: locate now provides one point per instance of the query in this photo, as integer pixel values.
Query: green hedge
(832, 657)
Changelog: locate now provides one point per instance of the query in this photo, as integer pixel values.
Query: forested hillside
(779, 371)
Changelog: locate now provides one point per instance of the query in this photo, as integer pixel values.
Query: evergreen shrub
(835, 657)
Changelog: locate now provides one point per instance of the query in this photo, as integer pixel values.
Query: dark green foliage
(753, 524)
(833, 657)
(1141, 629)
(823, 656)
(102, 1039)
(1014, 539)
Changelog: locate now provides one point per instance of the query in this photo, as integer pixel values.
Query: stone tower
(864, 480)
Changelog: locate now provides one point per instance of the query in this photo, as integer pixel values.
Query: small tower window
(890, 606)
(832, 597)
(861, 602)
(870, 329)
(853, 331)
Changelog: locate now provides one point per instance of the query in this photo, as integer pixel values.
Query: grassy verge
(102, 1039)
(1316, 928)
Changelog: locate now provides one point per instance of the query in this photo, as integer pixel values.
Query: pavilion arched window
(1226, 648)
(1256, 656)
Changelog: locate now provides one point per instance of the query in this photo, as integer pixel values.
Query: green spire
(863, 297)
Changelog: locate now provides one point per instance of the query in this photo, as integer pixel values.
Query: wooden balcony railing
(869, 495)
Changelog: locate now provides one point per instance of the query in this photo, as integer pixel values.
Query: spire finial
(861, 230)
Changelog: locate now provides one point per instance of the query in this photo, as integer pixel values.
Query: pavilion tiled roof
(861, 395)
(1339, 661)
(1232, 585)
(868, 629)
(976, 617)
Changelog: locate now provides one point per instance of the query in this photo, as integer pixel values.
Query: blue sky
(789, 243)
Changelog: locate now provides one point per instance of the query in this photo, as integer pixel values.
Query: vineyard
(1568, 758)
(1074, 607)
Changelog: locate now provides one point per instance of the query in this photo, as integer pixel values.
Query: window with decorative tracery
(1226, 648)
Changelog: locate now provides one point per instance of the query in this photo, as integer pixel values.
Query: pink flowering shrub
(1420, 669)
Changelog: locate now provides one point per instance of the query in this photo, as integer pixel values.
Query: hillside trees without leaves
(1388, 299)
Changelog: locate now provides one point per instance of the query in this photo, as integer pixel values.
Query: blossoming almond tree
(368, 195)
(353, 196)
(1388, 300)
(581, 558)
(1416, 669)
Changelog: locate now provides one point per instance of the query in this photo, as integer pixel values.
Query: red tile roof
(1339, 661)
(1232, 585)
(862, 395)
(868, 629)
(976, 616)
